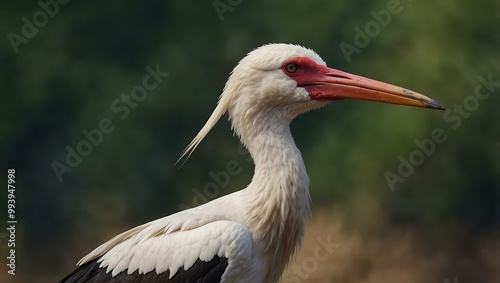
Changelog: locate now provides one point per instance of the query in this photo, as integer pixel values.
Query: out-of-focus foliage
(65, 79)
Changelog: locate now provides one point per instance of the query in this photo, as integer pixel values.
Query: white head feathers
(265, 58)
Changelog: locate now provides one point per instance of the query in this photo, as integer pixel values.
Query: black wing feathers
(200, 272)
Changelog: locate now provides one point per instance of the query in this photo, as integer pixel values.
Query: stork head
(281, 81)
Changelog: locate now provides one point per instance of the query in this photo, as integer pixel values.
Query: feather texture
(249, 235)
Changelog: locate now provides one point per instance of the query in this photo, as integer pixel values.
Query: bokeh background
(442, 224)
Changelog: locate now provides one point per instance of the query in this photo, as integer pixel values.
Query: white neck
(278, 196)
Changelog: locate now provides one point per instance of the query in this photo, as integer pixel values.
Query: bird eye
(291, 68)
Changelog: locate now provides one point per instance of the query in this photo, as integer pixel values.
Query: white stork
(249, 235)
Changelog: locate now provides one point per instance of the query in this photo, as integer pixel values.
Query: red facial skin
(323, 83)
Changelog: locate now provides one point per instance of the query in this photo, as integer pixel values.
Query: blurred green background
(63, 75)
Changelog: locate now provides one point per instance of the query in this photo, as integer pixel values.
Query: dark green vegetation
(129, 84)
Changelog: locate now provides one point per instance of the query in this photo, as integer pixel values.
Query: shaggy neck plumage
(278, 196)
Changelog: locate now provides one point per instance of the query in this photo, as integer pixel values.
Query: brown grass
(395, 254)
(400, 255)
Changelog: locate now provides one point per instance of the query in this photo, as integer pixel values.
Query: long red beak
(331, 84)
